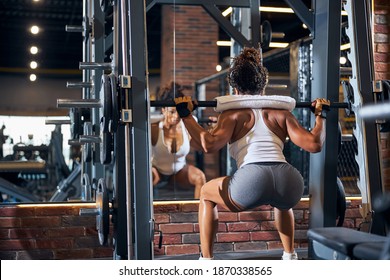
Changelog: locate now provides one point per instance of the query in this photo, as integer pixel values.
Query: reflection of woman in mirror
(256, 138)
(171, 145)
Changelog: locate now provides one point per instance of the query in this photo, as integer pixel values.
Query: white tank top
(259, 145)
(168, 163)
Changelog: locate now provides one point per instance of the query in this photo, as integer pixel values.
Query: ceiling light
(276, 10)
(33, 77)
(34, 29)
(343, 60)
(271, 45)
(33, 64)
(33, 50)
(345, 47)
(224, 43)
(304, 26)
(227, 12)
(278, 35)
(278, 45)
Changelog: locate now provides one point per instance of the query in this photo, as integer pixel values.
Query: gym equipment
(345, 243)
(102, 212)
(213, 103)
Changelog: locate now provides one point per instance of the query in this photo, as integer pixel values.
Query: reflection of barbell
(96, 103)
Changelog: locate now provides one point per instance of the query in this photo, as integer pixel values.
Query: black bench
(338, 243)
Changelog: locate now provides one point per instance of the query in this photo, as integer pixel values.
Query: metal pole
(125, 71)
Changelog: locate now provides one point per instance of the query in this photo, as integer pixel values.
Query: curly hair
(171, 91)
(247, 74)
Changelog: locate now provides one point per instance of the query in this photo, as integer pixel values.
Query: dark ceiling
(61, 50)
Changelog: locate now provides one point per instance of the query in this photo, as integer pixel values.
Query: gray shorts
(277, 184)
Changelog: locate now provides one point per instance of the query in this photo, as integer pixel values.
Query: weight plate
(106, 147)
(114, 103)
(105, 97)
(103, 218)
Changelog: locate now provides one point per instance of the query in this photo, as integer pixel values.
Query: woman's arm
(311, 141)
(215, 139)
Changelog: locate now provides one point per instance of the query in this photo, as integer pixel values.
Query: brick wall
(56, 231)
(382, 71)
(237, 232)
(189, 50)
(37, 231)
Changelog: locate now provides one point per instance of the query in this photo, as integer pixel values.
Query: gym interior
(79, 80)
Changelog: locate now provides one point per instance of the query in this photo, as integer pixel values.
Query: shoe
(205, 259)
(290, 256)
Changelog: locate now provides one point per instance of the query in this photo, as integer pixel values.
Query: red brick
(381, 57)
(272, 245)
(190, 207)
(169, 239)
(383, 48)
(244, 226)
(54, 243)
(256, 216)
(381, 28)
(166, 208)
(4, 234)
(73, 254)
(268, 225)
(188, 217)
(264, 235)
(380, 3)
(103, 253)
(176, 228)
(15, 211)
(233, 237)
(66, 232)
(161, 218)
(353, 213)
(83, 221)
(221, 227)
(300, 234)
(58, 210)
(88, 242)
(41, 222)
(12, 245)
(227, 217)
(382, 67)
(25, 233)
(10, 222)
(182, 249)
(35, 255)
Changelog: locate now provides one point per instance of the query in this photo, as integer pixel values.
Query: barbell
(213, 103)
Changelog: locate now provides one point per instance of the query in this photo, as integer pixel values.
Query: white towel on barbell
(254, 102)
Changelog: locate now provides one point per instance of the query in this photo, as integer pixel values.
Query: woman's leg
(284, 221)
(213, 193)
(191, 175)
(155, 176)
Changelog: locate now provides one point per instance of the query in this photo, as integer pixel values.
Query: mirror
(182, 47)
